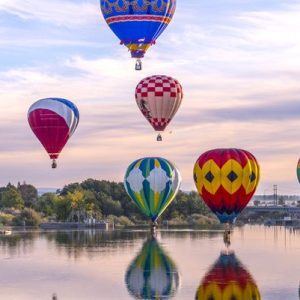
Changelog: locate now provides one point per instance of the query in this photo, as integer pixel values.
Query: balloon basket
(153, 229)
(159, 138)
(54, 164)
(138, 65)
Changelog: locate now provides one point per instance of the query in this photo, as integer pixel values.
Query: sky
(237, 60)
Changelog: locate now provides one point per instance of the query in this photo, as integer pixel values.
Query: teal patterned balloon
(152, 274)
(152, 183)
(298, 170)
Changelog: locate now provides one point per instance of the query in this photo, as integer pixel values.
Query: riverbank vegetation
(93, 199)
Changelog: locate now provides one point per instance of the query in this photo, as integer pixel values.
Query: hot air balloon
(226, 180)
(138, 23)
(228, 279)
(152, 274)
(158, 98)
(53, 121)
(152, 183)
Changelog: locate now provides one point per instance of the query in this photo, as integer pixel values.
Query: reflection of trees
(228, 279)
(87, 242)
(152, 274)
(17, 243)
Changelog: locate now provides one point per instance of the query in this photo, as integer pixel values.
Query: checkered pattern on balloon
(159, 98)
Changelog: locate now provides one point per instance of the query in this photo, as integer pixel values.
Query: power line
(275, 194)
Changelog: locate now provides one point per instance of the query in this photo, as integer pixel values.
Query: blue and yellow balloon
(152, 183)
(138, 23)
(152, 274)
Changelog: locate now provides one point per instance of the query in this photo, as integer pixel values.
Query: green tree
(46, 204)
(91, 206)
(28, 217)
(11, 198)
(70, 188)
(184, 205)
(111, 207)
(29, 194)
(62, 208)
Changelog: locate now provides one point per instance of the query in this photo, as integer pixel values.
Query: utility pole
(275, 194)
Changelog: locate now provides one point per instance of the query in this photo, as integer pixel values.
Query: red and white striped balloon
(53, 121)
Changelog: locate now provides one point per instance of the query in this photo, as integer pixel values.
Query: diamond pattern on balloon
(158, 179)
(176, 180)
(136, 280)
(232, 176)
(209, 177)
(135, 180)
(159, 280)
(252, 176)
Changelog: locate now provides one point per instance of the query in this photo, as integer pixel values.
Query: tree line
(98, 199)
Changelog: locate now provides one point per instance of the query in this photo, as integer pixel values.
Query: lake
(179, 264)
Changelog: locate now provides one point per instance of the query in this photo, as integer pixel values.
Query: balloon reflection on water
(228, 280)
(152, 274)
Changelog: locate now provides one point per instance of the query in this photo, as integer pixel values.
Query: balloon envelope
(152, 274)
(298, 170)
(226, 180)
(228, 279)
(138, 23)
(53, 121)
(159, 98)
(152, 183)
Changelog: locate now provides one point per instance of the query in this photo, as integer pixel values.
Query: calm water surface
(129, 265)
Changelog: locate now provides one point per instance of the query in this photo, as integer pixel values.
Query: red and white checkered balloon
(159, 97)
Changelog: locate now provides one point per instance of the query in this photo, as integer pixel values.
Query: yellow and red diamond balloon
(228, 279)
(226, 179)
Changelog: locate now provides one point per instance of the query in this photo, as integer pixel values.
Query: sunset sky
(237, 60)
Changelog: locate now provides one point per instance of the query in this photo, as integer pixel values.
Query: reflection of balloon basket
(159, 137)
(153, 229)
(227, 234)
(54, 164)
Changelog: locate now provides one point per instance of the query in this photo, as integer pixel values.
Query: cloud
(58, 12)
(235, 41)
(109, 118)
